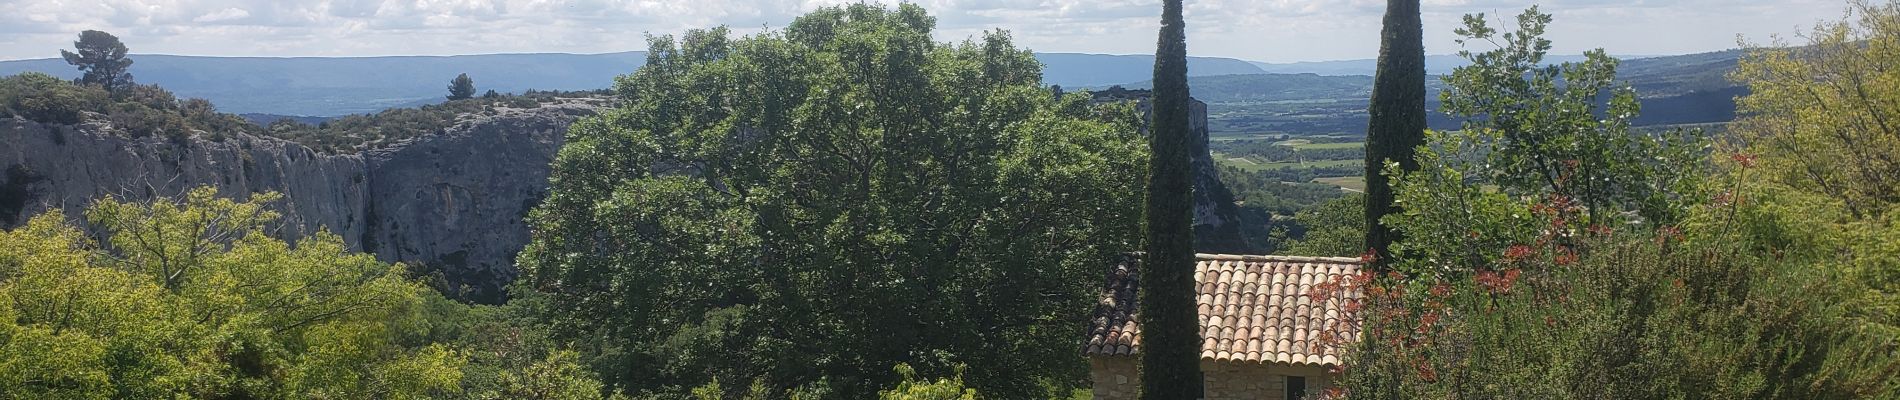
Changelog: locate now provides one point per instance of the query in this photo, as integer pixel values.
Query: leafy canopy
(1821, 115)
(462, 88)
(808, 207)
(1553, 133)
(1814, 130)
(1546, 128)
(1610, 265)
(188, 298)
(102, 57)
(193, 300)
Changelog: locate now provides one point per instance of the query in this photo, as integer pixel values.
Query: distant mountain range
(1080, 70)
(1685, 89)
(329, 86)
(332, 86)
(1435, 65)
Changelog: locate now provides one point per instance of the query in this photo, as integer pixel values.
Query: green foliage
(1335, 228)
(1818, 115)
(1523, 288)
(188, 298)
(1762, 292)
(912, 388)
(462, 88)
(1534, 137)
(1269, 198)
(1396, 126)
(1267, 194)
(1539, 128)
(808, 207)
(102, 57)
(136, 110)
(1803, 180)
(558, 377)
(714, 391)
(1171, 343)
(192, 300)
(1266, 203)
(1638, 318)
(44, 98)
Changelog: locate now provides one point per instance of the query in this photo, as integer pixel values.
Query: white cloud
(1272, 30)
(227, 14)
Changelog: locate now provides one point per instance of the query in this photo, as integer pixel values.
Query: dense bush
(138, 111)
(1645, 282)
(188, 298)
(1335, 228)
(45, 98)
(810, 207)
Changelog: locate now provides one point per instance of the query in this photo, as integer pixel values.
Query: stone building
(1263, 336)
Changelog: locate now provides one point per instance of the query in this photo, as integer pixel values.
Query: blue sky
(1263, 30)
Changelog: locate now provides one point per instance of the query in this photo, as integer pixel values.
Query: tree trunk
(1171, 339)
(1397, 125)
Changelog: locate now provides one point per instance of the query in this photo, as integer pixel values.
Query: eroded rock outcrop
(449, 203)
(66, 167)
(454, 202)
(1216, 217)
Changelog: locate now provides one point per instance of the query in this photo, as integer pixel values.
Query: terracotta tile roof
(1252, 308)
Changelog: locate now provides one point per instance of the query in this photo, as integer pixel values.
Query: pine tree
(1171, 343)
(102, 57)
(461, 87)
(1397, 111)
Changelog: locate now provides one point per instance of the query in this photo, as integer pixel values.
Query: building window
(1295, 387)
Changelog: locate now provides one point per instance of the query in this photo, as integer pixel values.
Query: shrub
(47, 99)
(914, 388)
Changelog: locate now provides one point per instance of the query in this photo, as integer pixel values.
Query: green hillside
(1686, 89)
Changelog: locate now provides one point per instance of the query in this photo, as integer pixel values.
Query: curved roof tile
(1252, 308)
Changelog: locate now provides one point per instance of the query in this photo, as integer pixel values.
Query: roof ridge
(1254, 257)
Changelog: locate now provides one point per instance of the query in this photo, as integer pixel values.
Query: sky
(1260, 30)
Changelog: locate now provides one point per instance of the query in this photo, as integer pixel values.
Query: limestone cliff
(455, 201)
(450, 203)
(1216, 217)
(66, 167)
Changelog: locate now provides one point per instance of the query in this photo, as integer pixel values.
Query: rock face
(1216, 217)
(65, 167)
(451, 203)
(455, 202)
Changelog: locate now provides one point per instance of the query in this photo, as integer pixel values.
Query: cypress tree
(1170, 343)
(1397, 110)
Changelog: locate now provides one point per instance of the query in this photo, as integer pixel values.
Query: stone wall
(1117, 378)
